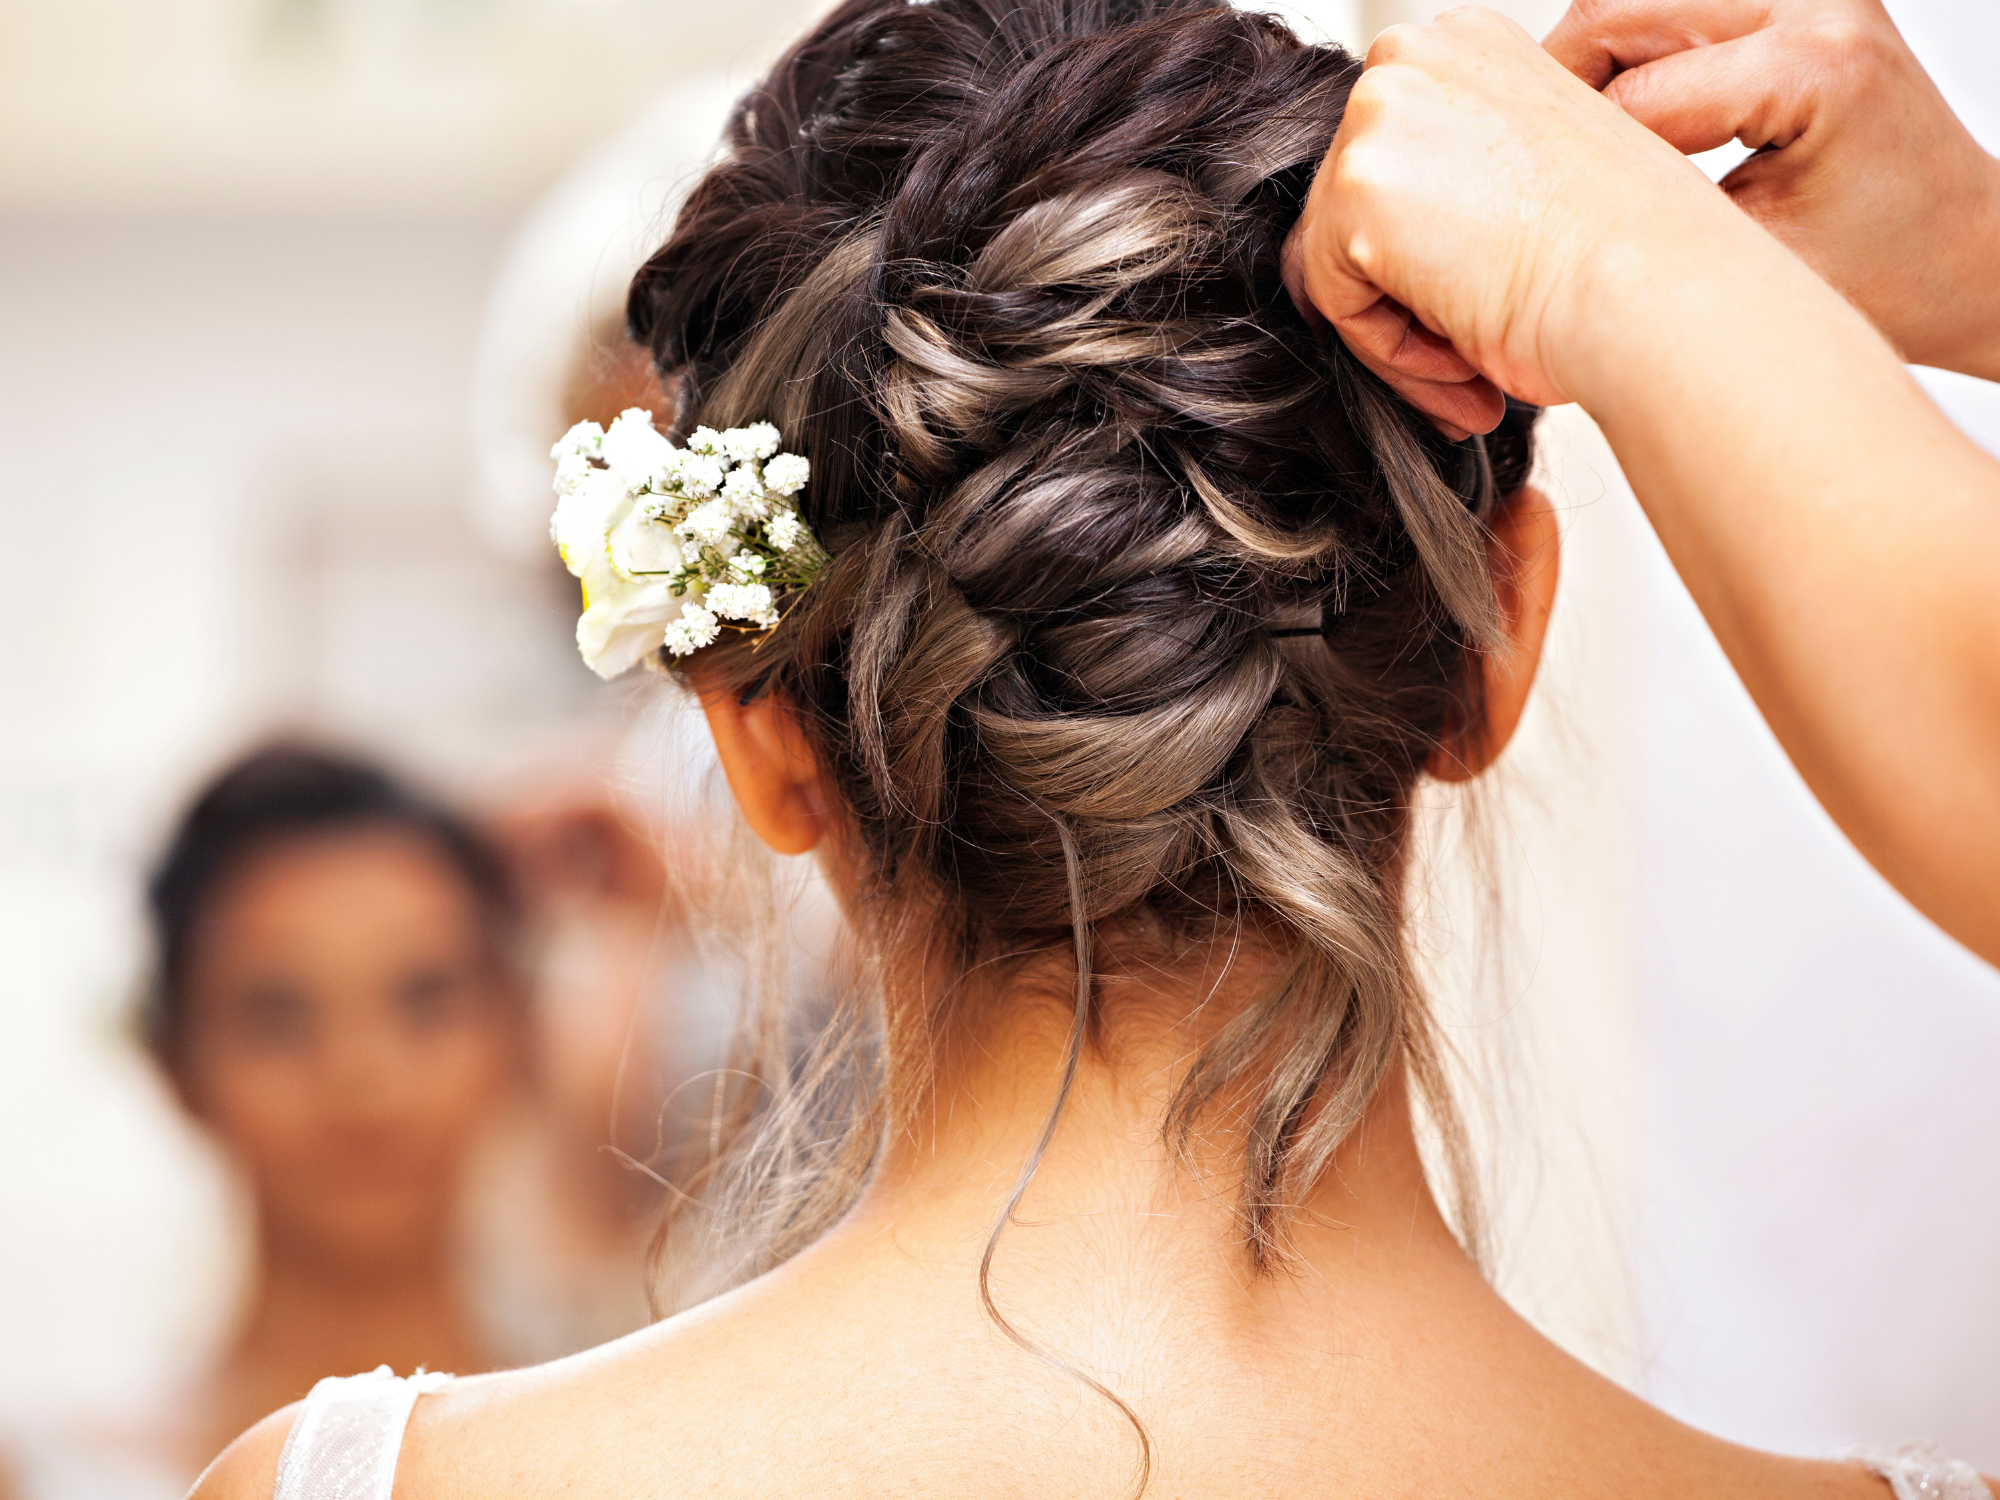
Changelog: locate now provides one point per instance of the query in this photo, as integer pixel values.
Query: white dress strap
(1917, 1471)
(345, 1442)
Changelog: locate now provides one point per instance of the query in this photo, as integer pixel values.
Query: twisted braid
(1009, 273)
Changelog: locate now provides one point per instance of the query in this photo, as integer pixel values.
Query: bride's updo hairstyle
(1147, 604)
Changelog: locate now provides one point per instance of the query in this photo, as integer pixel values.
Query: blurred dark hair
(269, 798)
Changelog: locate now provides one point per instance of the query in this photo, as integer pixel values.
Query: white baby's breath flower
(571, 470)
(705, 440)
(744, 485)
(581, 440)
(743, 601)
(747, 565)
(708, 524)
(748, 444)
(699, 475)
(695, 628)
(635, 450)
(786, 474)
(784, 530)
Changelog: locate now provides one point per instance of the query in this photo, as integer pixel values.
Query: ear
(1524, 550)
(770, 766)
(1420, 366)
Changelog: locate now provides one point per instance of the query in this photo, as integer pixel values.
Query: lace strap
(345, 1442)
(1917, 1471)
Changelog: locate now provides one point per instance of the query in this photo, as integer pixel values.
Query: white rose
(642, 545)
(635, 450)
(583, 518)
(621, 620)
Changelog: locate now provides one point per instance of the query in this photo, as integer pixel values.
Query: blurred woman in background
(337, 1003)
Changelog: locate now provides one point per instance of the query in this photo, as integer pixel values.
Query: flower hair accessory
(675, 545)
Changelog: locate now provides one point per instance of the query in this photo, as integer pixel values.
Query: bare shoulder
(248, 1468)
(708, 1402)
(523, 1434)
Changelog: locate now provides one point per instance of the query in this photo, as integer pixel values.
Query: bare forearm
(1841, 537)
(1980, 352)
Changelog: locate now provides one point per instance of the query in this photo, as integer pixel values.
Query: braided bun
(1006, 271)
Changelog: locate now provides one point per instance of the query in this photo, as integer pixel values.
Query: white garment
(348, 1434)
(1917, 1471)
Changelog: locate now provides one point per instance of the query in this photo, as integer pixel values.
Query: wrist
(1981, 353)
(1940, 301)
(1639, 299)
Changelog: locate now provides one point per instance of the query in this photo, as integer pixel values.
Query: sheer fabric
(1917, 1471)
(348, 1434)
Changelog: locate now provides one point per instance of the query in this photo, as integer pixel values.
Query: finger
(1599, 39)
(1423, 369)
(1749, 90)
(1322, 288)
(1291, 270)
(1387, 335)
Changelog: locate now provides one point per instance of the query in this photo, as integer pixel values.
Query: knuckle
(1837, 42)
(1363, 175)
(1392, 44)
(1471, 19)
(1371, 91)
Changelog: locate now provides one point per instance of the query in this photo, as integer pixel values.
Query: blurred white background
(1744, 1134)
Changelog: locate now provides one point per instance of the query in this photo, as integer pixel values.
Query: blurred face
(347, 1035)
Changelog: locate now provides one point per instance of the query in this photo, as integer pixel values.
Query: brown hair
(1147, 605)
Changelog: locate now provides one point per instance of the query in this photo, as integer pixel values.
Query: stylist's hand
(1863, 168)
(1479, 183)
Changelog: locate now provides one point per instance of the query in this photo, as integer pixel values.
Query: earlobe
(770, 766)
(1524, 550)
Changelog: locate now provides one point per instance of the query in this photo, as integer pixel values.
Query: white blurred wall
(246, 251)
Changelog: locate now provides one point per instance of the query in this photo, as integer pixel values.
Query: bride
(1110, 634)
